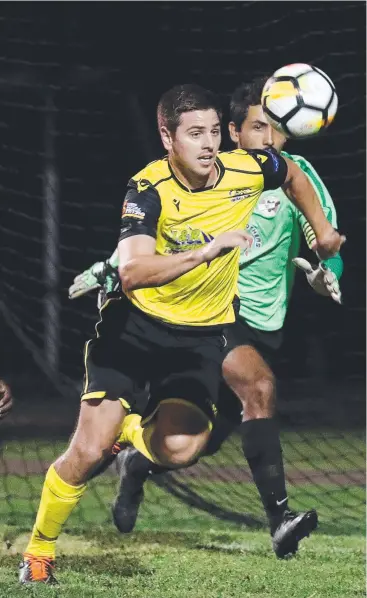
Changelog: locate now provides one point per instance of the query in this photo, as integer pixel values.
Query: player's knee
(250, 378)
(260, 397)
(264, 388)
(87, 455)
(178, 450)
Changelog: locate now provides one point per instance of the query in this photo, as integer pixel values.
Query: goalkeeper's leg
(253, 382)
(98, 426)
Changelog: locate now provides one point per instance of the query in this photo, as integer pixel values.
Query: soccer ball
(299, 100)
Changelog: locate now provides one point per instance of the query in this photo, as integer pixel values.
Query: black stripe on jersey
(161, 181)
(245, 171)
(222, 171)
(148, 184)
(218, 165)
(177, 180)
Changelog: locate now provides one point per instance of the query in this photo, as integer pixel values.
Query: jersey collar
(220, 173)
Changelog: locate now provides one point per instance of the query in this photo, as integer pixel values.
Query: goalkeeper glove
(320, 278)
(100, 274)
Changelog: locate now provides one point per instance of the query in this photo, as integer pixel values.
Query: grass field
(183, 552)
(192, 564)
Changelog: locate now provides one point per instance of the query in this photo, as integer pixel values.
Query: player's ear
(166, 137)
(234, 134)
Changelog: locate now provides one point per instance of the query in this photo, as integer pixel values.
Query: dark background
(96, 71)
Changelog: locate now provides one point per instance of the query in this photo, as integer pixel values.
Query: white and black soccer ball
(299, 100)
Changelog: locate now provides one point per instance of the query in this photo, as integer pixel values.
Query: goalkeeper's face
(256, 133)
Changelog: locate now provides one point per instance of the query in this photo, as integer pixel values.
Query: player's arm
(335, 264)
(323, 277)
(300, 191)
(279, 171)
(139, 265)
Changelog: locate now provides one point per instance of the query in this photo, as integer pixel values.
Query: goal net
(77, 120)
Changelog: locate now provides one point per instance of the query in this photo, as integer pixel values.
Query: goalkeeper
(266, 276)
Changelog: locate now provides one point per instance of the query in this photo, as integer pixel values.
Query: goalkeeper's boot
(292, 528)
(133, 469)
(35, 569)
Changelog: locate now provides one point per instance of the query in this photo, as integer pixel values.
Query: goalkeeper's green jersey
(266, 269)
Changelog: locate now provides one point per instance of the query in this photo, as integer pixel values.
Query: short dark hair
(185, 98)
(244, 96)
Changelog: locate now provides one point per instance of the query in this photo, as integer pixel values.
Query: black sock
(140, 466)
(262, 450)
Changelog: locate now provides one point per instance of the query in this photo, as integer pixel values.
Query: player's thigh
(249, 353)
(189, 376)
(99, 424)
(116, 360)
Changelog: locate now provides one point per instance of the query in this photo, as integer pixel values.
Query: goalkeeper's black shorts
(267, 343)
(132, 350)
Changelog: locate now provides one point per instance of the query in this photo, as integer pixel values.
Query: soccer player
(182, 228)
(266, 275)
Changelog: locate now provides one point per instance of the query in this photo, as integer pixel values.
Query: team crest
(268, 206)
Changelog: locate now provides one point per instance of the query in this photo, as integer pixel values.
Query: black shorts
(132, 350)
(267, 343)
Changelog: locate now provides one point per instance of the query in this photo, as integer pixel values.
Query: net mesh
(66, 81)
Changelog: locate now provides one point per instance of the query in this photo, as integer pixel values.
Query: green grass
(341, 510)
(191, 564)
(183, 552)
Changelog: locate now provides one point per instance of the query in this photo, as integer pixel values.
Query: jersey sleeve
(335, 264)
(324, 196)
(140, 211)
(273, 167)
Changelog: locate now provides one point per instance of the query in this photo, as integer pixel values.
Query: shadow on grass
(216, 542)
(121, 565)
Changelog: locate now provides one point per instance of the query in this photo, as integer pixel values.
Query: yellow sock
(133, 433)
(58, 499)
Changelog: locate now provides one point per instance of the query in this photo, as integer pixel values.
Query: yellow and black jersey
(180, 219)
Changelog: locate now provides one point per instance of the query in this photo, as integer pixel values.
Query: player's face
(194, 145)
(256, 133)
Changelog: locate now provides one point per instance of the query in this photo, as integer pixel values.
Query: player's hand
(328, 244)
(224, 243)
(6, 399)
(88, 280)
(321, 279)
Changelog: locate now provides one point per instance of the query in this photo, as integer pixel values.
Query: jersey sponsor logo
(132, 210)
(184, 239)
(268, 206)
(240, 194)
(254, 241)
